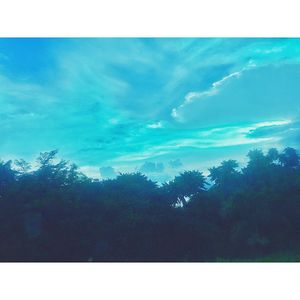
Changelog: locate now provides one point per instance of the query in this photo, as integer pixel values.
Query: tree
(256, 158)
(55, 213)
(58, 174)
(289, 158)
(7, 174)
(22, 166)
(225, 176)
(134, 182)
(273, 155)
(259, 170)
(46, 158)
(130, 187)
(184, 186)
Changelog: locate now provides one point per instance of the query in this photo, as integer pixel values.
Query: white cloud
(207, 139)
(213, 90)
(155, 125)
(174, 113)
(193, 96)
(220, 82)
(90, 171)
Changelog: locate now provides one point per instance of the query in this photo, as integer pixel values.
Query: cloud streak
(121, 102)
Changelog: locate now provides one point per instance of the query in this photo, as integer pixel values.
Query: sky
(154, 105)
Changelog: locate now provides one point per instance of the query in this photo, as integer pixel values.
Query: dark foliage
(55, 213)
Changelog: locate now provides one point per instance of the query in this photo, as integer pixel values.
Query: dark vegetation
(55, 213)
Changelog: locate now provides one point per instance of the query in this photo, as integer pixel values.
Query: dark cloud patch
(289, 134)
(176, 163)
(151, 167)
(270, 131)
(107, 172)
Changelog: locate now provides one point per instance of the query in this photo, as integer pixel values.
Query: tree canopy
(56, 213)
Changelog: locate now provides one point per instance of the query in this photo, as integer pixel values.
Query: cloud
(99, 100)
(198, 139)
(107, 172)
(90, 171)
(241, 55)
(287, 131)
(155, 125)
(151, 167)
(175, 163)
(261, 94)
(213, 90)
(268, 129)
(224, 79)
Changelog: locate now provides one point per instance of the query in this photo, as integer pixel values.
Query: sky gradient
(155, 105)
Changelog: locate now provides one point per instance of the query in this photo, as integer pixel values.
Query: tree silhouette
(7, 174)
(56, 213)
(289, 158)
(273, 155)
(225, 176)
(185, 185)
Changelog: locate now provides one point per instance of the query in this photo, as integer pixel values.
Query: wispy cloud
(207, 139)
(118, 101)
(155, 125)
(213, 90)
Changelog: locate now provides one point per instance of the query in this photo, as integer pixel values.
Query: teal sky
(120, 103)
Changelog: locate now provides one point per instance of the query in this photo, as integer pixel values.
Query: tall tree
(184, 186)
(225, 176)
(289, 158)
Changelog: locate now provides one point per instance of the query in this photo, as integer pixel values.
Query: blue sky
(162, 105)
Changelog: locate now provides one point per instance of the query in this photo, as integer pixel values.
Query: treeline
(55, 213)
